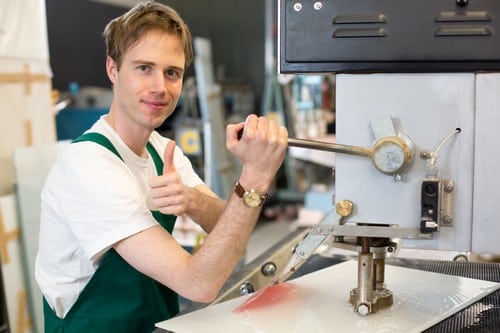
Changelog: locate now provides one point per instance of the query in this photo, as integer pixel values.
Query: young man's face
(149, 82)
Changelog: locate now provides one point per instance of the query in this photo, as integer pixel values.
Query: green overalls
(118, 298)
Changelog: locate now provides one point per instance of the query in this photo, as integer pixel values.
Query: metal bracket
(392, 231)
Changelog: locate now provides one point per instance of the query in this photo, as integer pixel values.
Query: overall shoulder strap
(156, 158)
(100, 139)
(104, 141)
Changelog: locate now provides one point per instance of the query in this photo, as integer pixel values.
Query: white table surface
(318, 302)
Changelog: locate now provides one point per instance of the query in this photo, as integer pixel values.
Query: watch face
(252, 199)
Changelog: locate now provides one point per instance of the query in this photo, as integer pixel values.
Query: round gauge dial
(390, 155)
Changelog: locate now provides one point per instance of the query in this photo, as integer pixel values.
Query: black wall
(235, 27)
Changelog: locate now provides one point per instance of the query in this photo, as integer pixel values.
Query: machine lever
(390, 155)
(328, 146)
(325, 146)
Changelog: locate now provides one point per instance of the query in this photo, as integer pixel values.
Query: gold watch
(251, 198)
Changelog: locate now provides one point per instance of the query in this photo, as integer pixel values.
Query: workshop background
(440, 92)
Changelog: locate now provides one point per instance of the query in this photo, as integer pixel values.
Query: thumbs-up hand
(167, 191)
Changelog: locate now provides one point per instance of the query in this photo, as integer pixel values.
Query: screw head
(447, 219)
(363, 309)
(318, 5)
(268, 269)
(297, 6)
(344, 208)
(425, 155)
(246, 288)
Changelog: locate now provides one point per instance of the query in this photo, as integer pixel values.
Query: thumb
(168, 158)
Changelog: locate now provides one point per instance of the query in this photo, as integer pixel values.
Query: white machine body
(426, 108)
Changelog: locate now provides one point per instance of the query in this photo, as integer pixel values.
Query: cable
(435, 154)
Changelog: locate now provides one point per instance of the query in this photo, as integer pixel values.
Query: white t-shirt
(90, 201)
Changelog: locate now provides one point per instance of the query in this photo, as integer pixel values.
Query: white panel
(486, 226)
(318, 302)
(426, 107)
(23, 29)
(26, 113)
(32, 165)
(14, 276)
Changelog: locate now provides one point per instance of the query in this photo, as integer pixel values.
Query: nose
(158, 84)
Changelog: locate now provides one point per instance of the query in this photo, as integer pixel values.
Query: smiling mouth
(156, 105)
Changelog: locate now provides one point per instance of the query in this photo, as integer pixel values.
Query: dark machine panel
(389, 35)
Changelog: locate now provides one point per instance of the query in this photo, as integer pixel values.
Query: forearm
(226, 243)
(213, 263)
(200, 275)
(204, 208)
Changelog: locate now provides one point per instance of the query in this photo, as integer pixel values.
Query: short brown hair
(124, 31)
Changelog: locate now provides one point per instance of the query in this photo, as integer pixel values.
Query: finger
(263, 127)
(168, 158)
(235, 131)
(284, 135)
(251, 125)
(273, 131)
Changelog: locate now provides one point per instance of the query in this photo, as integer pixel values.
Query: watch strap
(239, 190)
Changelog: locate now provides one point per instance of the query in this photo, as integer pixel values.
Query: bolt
(363, 309)
(449, 188)
(344, 208)
(447, 219)
(297, 7)
(318, 5)
(246, 288)
(425, 155)
(268, 269)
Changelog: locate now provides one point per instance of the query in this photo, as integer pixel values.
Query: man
(107, 261)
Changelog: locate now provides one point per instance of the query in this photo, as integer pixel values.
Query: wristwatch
(251, 198)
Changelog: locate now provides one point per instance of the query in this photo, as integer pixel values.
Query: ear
(111, 69)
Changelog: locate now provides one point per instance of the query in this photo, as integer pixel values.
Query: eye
(144, 68)
(173, 74)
